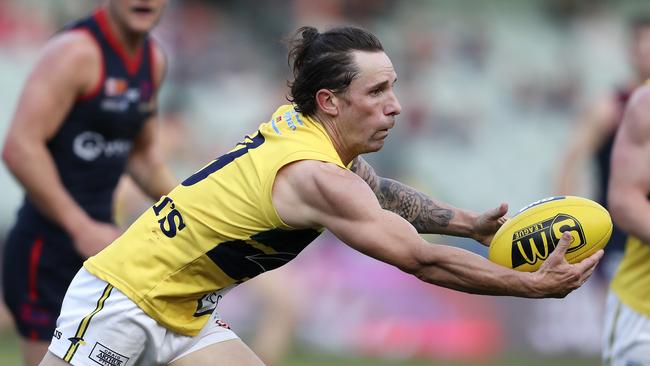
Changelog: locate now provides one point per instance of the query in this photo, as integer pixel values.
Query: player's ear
(327, 102)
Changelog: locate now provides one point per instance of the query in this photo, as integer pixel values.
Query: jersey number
(172, 222)
(225, 159)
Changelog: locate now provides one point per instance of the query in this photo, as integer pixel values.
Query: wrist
(469, 224)
(532, 285)
(75, 223)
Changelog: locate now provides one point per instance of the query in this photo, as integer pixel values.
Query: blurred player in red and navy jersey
(85, 117)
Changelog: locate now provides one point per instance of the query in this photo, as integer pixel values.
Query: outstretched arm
(427, 215)
(312, 193)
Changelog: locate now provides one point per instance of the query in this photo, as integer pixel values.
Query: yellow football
(527, 238)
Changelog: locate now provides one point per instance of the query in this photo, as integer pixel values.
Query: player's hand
(488, 223)
(557, 277)
(94, 236)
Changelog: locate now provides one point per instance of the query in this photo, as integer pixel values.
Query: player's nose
(393, 107)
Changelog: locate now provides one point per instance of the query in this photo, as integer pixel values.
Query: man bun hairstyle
(324, 61)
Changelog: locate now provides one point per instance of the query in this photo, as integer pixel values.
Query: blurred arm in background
(598, 122)
(146, 161)
(630, 176)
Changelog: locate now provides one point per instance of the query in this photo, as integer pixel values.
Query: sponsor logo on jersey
(106, 356)
(115, 86)
(537, 241)
(222, 324)
(288, 117)
(207, 303)
(291, 117)
(119, 96)
(90, 145)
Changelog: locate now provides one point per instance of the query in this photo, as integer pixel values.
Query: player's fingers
(562, 246)
(585, 276)
(588, 274)
(591, 261)
(498, 212)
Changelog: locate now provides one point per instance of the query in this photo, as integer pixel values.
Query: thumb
(497, 212)
(563, 245)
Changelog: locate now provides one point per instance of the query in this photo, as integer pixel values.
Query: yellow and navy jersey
(632, 279)
(216, 229)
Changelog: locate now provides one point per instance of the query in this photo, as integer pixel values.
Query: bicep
(344, 204)
(384, 236)
(630, 164)
(629, 183)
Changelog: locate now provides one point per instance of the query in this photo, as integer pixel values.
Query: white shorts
(626, 335)
(100, 325)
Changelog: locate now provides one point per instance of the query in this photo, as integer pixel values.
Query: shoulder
(318, 171)
(309, 193)
(70, 60)
(76, 46)
(636, 120)
(318, 180)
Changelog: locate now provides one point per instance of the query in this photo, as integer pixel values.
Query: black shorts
(39, 264)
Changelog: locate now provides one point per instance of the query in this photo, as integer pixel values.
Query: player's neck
(346, 154)
(130, 41)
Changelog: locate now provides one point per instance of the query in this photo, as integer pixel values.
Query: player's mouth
(142, 10)
(382, 134)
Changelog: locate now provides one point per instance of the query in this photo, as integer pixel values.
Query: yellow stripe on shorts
(81, 330)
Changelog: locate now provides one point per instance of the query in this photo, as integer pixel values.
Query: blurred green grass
(10, 356)
(9, 349)
(316, 358)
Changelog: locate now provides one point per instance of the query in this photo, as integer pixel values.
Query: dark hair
(324, 61)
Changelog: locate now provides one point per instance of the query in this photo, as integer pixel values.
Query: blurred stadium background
(490, 90)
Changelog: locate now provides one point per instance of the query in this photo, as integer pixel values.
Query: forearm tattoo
(415, 207)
